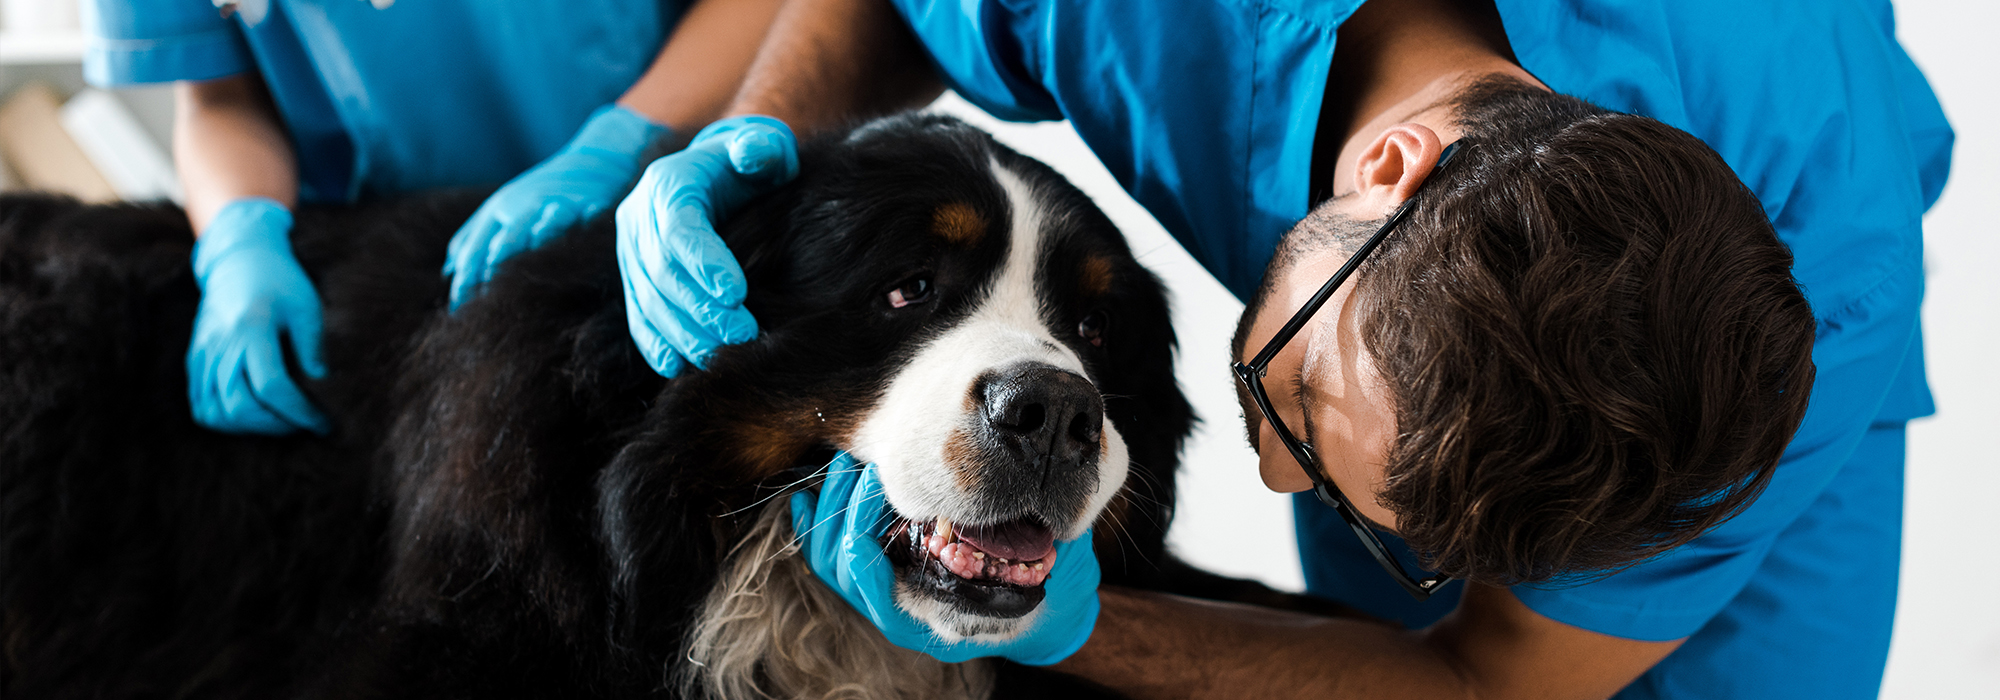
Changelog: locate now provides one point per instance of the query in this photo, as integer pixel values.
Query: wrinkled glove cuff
(1085, 623)
(737, 122)
(617, 131)
(247, 223)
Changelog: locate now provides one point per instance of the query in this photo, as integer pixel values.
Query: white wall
(1947, 641)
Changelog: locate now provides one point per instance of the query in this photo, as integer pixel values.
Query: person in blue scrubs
(288, 101)
(1211, 115)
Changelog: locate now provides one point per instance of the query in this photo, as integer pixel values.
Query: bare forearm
(702, 66)
(1492, 647)
(829, 62)
(1150, 645)
(228, 144)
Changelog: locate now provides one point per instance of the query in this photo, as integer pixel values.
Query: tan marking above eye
(1097, 274)
(959, 223)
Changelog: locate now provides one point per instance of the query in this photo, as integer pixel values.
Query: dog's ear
(758, 233)
(1152, 414)
(658, 542)
(506, 409)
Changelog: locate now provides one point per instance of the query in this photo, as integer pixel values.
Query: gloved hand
(840, 532)
(683, 288)
(252, 289)
(571, 187)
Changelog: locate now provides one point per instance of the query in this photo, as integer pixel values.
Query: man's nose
(1275, 464)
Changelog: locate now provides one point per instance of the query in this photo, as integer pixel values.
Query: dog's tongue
(1019, 540)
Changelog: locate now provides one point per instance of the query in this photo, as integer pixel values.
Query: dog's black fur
(512, 504)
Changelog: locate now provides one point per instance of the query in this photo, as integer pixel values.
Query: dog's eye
(915, 290)
(1091, 328)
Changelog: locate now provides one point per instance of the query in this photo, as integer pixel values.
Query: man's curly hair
(1593, 337)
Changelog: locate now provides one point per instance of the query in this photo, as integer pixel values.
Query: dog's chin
(963, 593)
(954, 622)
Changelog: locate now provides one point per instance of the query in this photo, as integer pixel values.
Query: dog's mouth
(988, 570)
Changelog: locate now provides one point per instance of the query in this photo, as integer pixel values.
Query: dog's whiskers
(785, 489)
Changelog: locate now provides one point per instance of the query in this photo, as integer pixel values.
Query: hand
(252, 289)
(571, 187)
(683, 288)
(840, 532)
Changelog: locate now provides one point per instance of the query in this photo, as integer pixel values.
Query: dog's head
(966, 320)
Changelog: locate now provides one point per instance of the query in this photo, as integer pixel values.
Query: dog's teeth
(979, 555)
(1038, 566)
(944, 526)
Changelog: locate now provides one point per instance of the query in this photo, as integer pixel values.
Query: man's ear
(1395, 165)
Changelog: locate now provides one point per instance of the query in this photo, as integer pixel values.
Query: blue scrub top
(418, 94)
(1205, 111)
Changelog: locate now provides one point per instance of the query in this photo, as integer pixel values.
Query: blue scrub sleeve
(976, 48)
(156, 41)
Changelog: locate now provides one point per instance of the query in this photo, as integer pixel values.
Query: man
(1564, 374)
(282, 101)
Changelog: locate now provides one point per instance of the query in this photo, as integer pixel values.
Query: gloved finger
(728, 324)
(645, 284)
(1076, 564)
(465, 285)
(554, 218)
(503, 245)
(686, 242)
(867, 567)
(303, 326)
(870, 513)
(764, 151)
(818, 526)
(680, 331)
(236, 409)
(691, 242)
(805, 509)
(868, 582)
(840, 475)
(204, 386)
(472, 235)
(652, 343)
(273, 389)
(465, 267)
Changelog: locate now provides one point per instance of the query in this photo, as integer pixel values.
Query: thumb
(804, 507)
(764, 149)
(304, 329)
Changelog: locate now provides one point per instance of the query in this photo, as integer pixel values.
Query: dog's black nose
(1040, 412)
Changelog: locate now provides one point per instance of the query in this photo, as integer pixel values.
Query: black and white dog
(514, 505)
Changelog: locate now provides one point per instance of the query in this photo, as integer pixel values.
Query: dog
(511, 504)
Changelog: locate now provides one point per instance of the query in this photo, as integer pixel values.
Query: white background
(1947, 641)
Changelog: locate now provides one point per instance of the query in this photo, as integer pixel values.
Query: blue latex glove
(841, 531)
(252, 289)
(571, 187)
(683, 288)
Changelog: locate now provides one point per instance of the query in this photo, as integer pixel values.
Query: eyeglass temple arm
(1319, 298)
(1325, 292)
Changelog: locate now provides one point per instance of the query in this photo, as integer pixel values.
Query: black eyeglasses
(1252, 377)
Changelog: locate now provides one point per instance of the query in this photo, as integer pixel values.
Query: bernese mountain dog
(513, 505)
